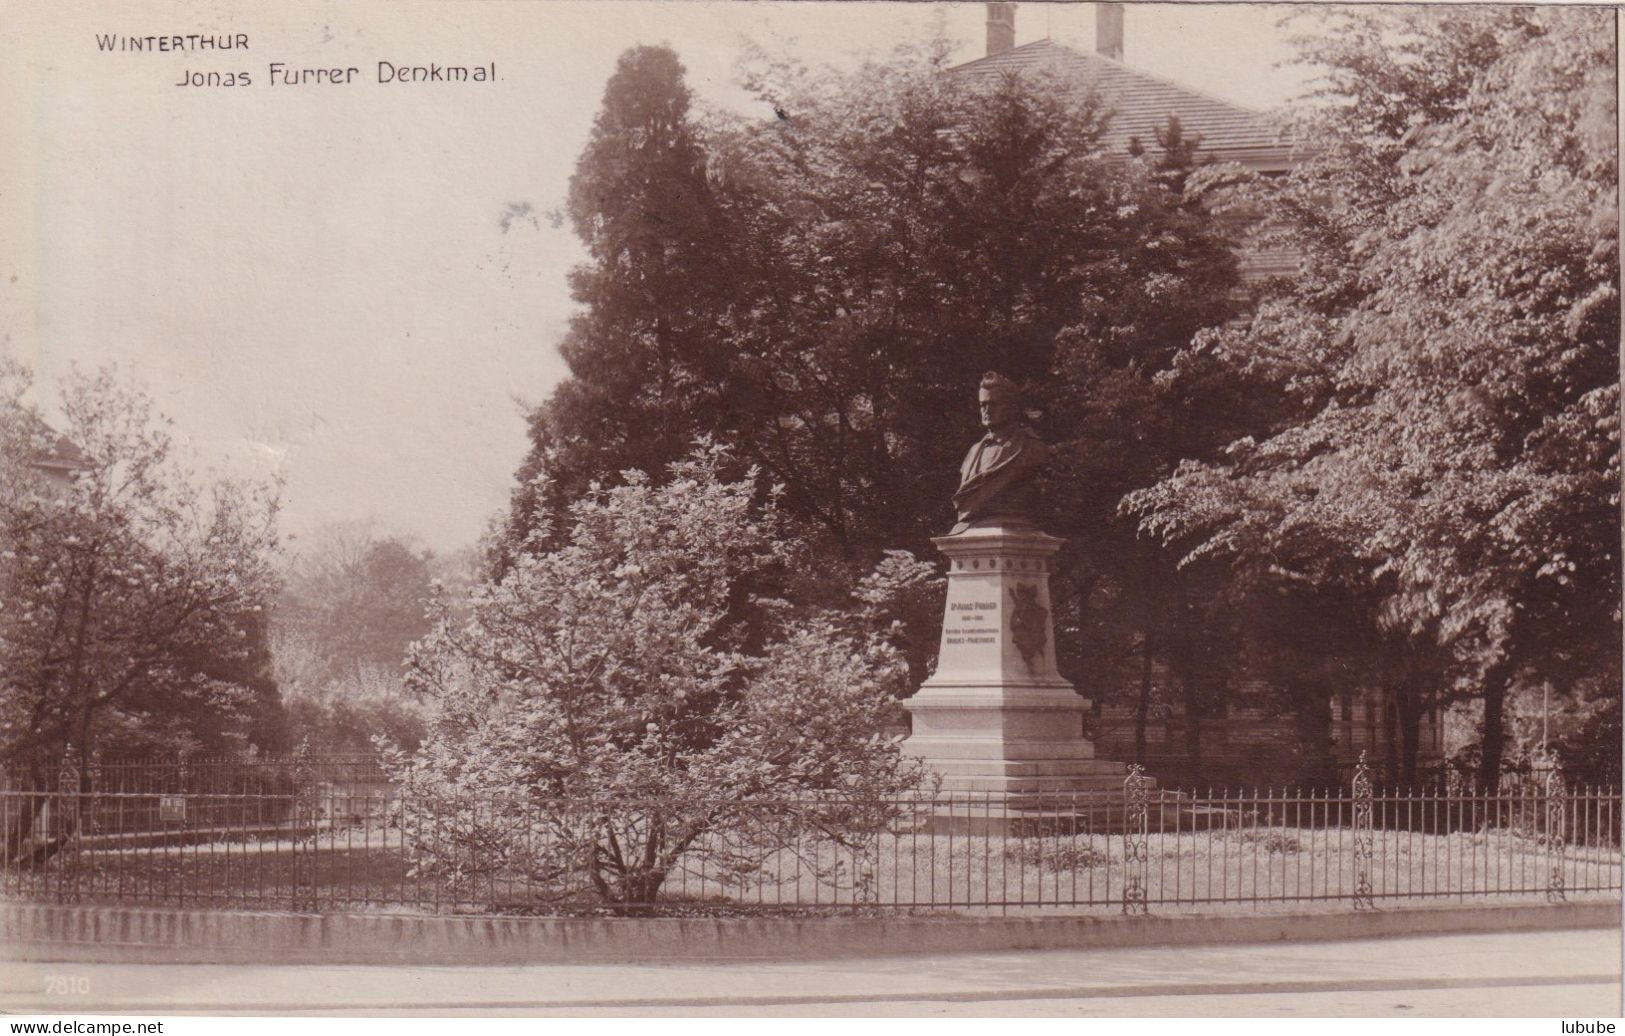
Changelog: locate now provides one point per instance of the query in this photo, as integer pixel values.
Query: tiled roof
(53, 450)
(1142, 102)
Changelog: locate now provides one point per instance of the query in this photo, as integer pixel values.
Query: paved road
(1542, 974)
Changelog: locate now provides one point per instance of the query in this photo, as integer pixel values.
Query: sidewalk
(1574, 972)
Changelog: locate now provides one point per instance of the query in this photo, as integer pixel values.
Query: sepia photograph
(605, 509)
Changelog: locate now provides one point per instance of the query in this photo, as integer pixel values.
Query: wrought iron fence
(217, 793)
(315, 846)
(210, 775)
(1436, 772)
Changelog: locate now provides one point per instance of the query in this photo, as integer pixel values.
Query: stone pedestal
(997, 716)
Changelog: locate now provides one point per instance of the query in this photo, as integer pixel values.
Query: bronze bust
(996, 480)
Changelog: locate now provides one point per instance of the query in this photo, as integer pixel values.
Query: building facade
(1141, 104)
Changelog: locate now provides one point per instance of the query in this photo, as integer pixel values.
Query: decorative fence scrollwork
(296, 840)
(67, 786)
(302, 823)
(67, 775)
(1136, 849)
(93, 784)
(65, 823)
(183, 786)
(1556, 831)
(1364, 838)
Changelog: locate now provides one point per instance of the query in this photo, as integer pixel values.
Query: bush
(636, 699)
(1055, 856)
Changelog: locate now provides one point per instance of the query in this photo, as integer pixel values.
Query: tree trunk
(1408, 709)
(1312, 723)
(21, 812)
(1390, 734)
(1493, 744)
(87, 748)
(1193, 726)
(1142, 711)
(21, 845)
(1410, 730)
(643, 886)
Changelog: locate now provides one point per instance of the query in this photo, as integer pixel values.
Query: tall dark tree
(911, 231)
(1127, 400)
(843, 273)
(645, 354)
(822, 290)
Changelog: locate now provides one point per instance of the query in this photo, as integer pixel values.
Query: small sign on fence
(172, 807)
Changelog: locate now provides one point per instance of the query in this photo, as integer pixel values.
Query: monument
(997, 716)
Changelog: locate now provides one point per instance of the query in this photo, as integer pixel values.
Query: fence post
(304, 815)
(67, 824)
(1364, 843)
(93, 778)
(1556, 831)
(183, 785)
(1136, 852)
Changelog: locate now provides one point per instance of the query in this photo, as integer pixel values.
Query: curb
(108, 934)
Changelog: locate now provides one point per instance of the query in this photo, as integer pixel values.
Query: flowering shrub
(131, 592)
(624, 704)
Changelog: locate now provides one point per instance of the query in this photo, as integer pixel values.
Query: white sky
(317, 280)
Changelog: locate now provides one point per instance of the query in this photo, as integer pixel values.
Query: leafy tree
(1126, 401)
(133, 594)
(911, 230)
(893, 233)
(1452, 451)
(606, 713)
(1590, 753)
(864, 258)
(352, 603)
(902, 601)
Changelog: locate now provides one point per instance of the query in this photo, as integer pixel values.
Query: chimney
(1001, 28)
(1108, 30)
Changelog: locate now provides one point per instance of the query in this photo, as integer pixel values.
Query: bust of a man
(996, 479)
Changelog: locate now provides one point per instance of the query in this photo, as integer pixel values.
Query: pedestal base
(997, 717)
(1041, 815)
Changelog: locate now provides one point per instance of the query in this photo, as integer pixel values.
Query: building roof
(52, 451)
(1142, 102)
